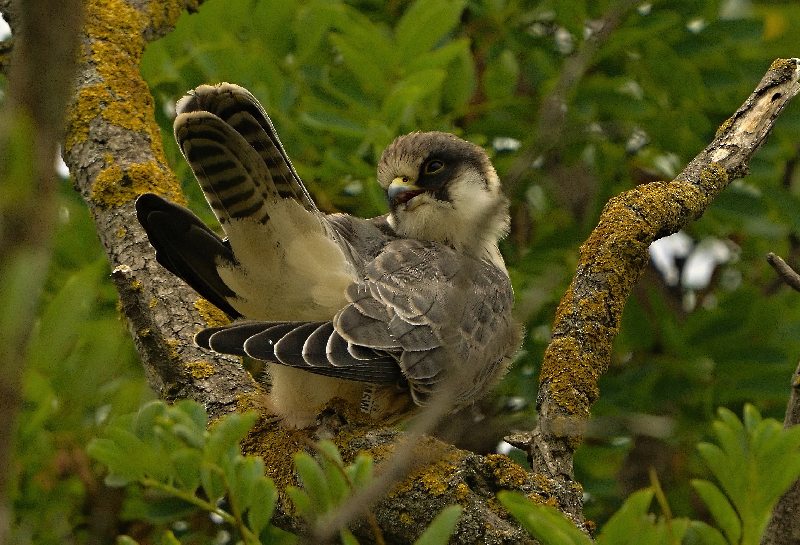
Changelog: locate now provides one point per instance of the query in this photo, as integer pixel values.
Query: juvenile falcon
(376, 311)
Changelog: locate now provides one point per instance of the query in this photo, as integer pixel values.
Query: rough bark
(114, 151)
(614, 256)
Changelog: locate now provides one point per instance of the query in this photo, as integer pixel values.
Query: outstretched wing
(421, 311)
(283, 260)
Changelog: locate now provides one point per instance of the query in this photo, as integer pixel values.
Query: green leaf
(168, 538)
(424, 24)
(262, 504)
(442, 527)
(226, 434)
(272, 535)
(700, 533)
(313, 478)
(543, 522)
(406, 97)
(146, 419)
(242, 478)
(744, 464)
(360, 471)
(213, 479)
(335, 475)
(56, 336)
(721, 509)
(302, 502)
(126, 540)
(157, 508)
(630, 522)
(347, 537)
(186, 465)
(500, 78)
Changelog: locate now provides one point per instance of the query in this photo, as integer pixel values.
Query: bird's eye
(433, 166)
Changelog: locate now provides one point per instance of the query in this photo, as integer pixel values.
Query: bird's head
(445, 189)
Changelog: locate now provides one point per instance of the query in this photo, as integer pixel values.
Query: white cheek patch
(289, 268)
(474, 219)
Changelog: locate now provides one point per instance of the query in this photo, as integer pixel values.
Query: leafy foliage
(328, 484)
(182, 467)
(743, 462)
(168, 450)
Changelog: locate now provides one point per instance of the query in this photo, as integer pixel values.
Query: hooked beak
(402, 190)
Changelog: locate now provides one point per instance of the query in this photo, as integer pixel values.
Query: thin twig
(787, 274)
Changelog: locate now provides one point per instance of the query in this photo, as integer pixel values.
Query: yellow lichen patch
(165, 14)
(436, 478)
(136, 285)
(537, 498)
(252, 401)
(116, 21)
(121, 232)
(172, 348)
(116, 42)
(277, 447)
(115, 186)
(406, 518)
(506, 471)
(199, 369)
(153, 303)
(724, 127)
(144, 332)
(612, 259)
(570, 374)
(782, 64)
(213, 316)
(542, 482)
(87, 106)
(714, 177)
(462, 492)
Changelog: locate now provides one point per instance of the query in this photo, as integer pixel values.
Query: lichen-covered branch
(616, 253)
(114, 152)
(439, 475)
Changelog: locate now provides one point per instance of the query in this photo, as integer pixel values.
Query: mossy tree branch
(114, 151)
(615, 255)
